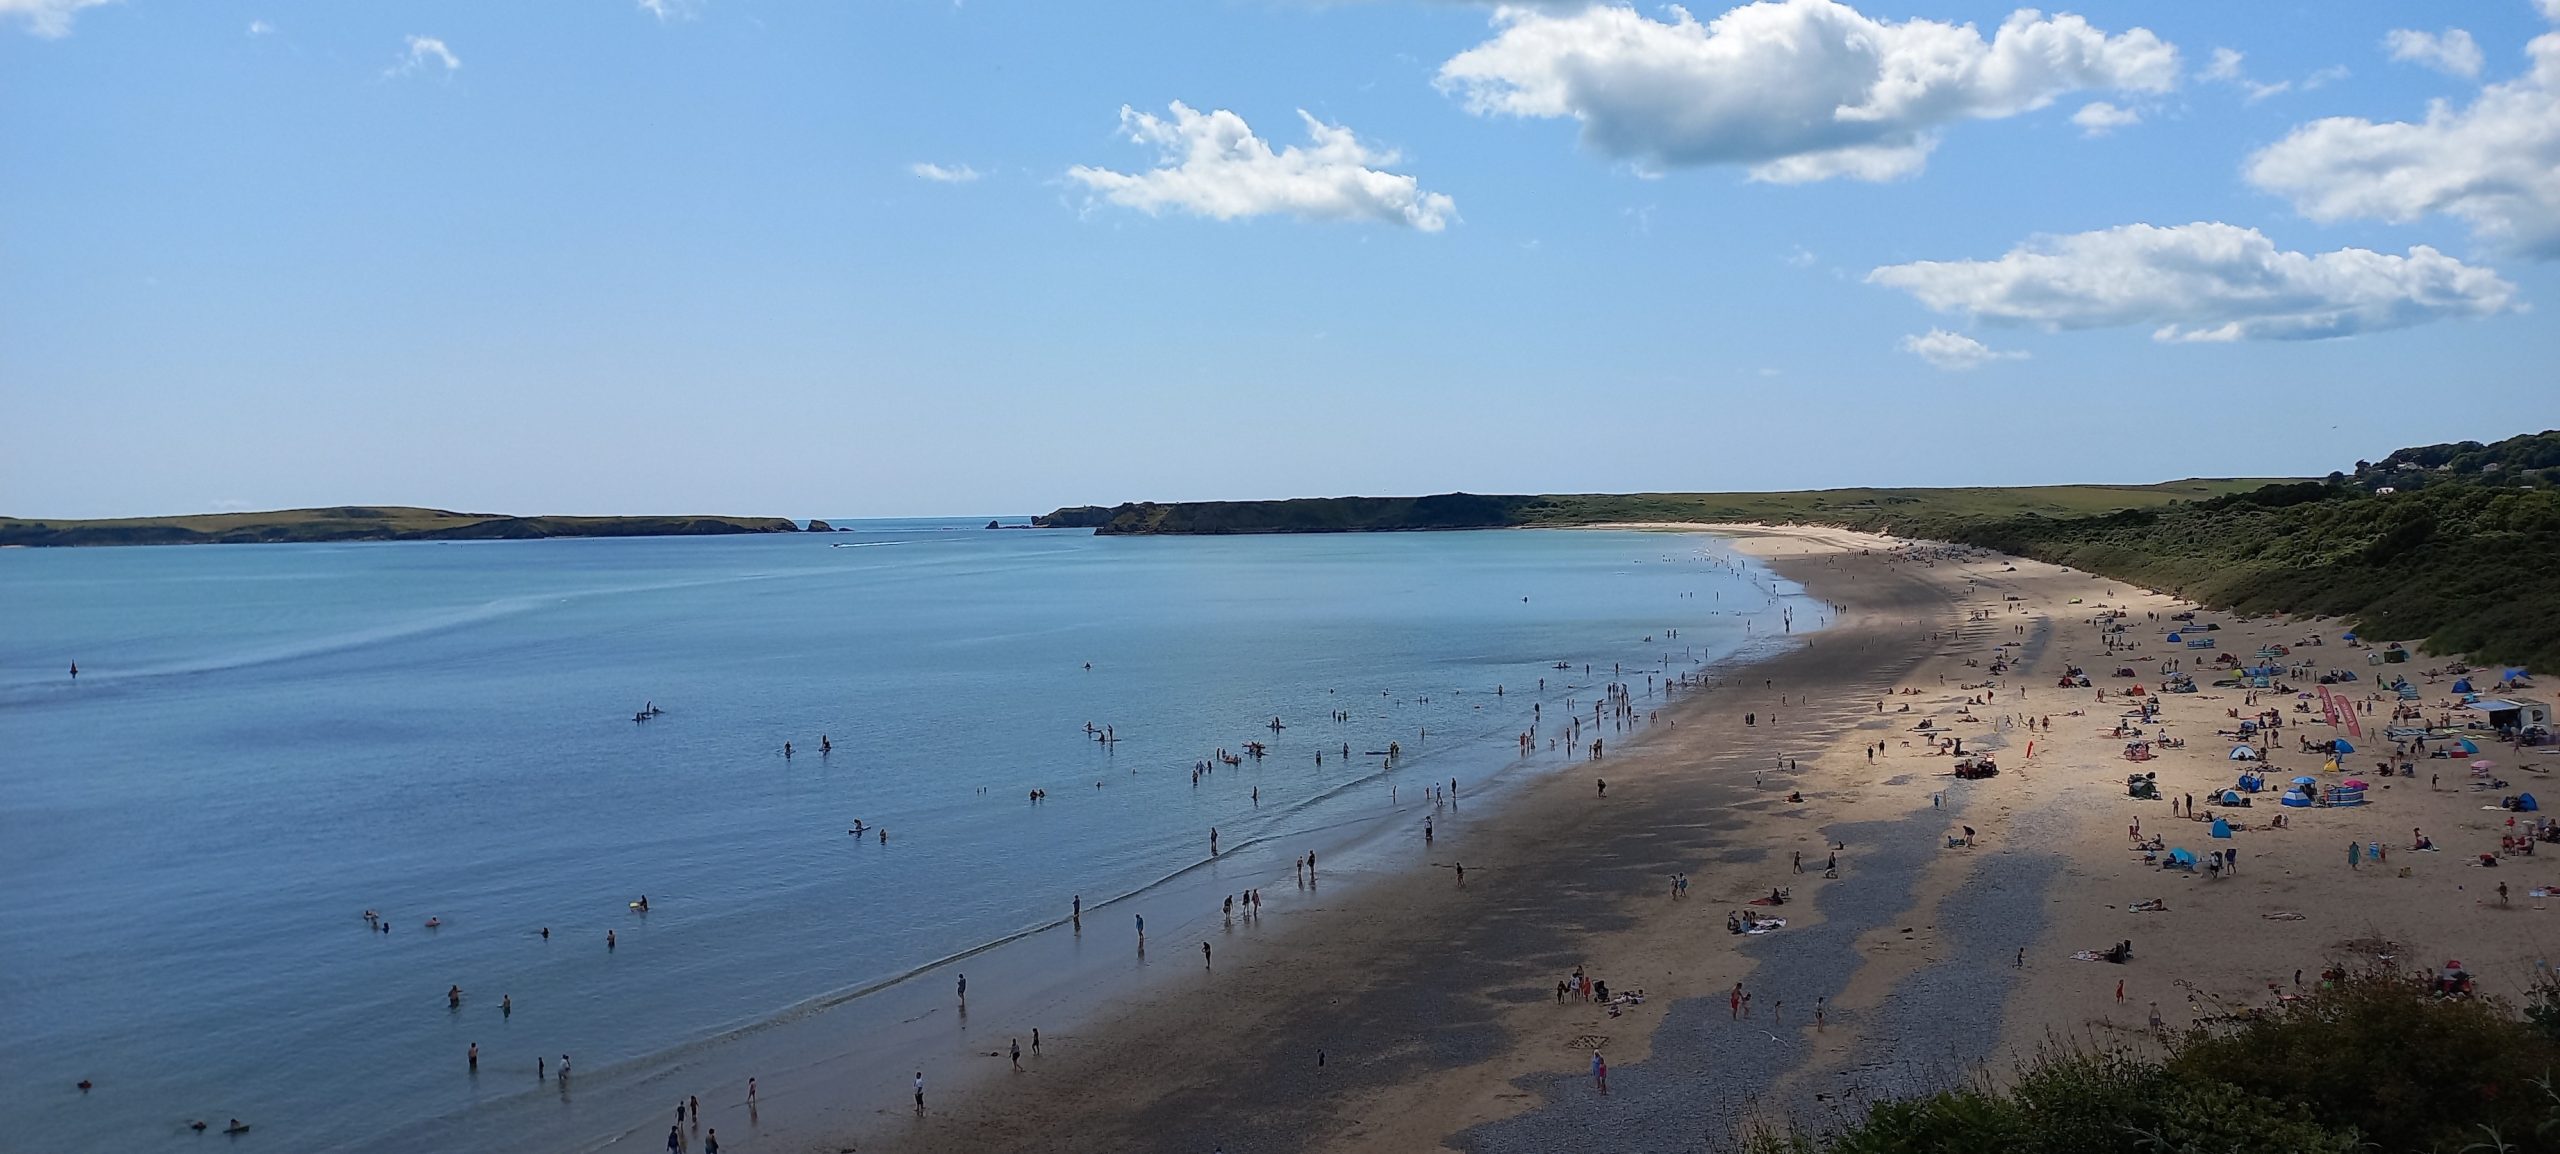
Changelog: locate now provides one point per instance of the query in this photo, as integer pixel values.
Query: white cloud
(944, 174)
(1797, 90)
(1801, 257)
(425, 52)
(1955, 352)
(2202, 282)
(46, 18)
(2098, 118)
(2494, 164)
(1213, 165)
(261, 28)
(2225, 67)
(2451, 51)
(2550, 9)
(670, 9)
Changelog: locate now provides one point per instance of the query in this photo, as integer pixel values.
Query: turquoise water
(267, 740)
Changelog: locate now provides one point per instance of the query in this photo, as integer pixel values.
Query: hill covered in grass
(365, 523)
(1875, 509)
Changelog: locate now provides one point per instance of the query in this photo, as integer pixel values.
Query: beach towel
(1765, 925)
(2088, 956)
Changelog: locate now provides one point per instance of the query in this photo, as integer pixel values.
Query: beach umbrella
(2483, 763)
(2306, 779)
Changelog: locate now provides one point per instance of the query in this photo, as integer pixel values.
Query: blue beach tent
(2181, 858)
(2526, 804)
(2462, 685)
(2465, 746)
(2340, 746)
(2221, 828)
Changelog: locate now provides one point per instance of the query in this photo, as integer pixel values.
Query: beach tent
(2340, 746)
(2221, 828)
(2252, 782)
(2464, 744)
(2181, 858)
(2231, 797)
(2295, 799)
(2173, 637)
(2340, 795)
(2462, 685)
(2243, 753)
(2346, 637)
(2526, 804)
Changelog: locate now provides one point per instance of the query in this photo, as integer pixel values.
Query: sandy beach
(1419, 1013)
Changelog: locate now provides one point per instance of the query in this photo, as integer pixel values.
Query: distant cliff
(366, 523)
(1861, 508)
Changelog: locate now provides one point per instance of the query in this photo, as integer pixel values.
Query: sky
(919, 257)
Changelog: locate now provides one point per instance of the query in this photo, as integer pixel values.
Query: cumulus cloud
(2098, 118)
(1955, 352)
(1796, 90)
(943, 174)
(2450, 51)
(425, 52)
(46, 18)
(2494, 165)
(1213, 165)
(261, 28)
(2202, 282)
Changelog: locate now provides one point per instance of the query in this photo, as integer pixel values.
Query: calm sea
(265, 741)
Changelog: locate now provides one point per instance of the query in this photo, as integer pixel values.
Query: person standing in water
(75, 671)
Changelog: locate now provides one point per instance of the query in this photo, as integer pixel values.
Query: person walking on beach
(1142, 931)
(964, 989)
(751, 1091)
(1735, 1001)
(696, 1103)
(1799, 861)
(1600, 1071)
(711, 1143)
(2353, 852)
(1204, 955)
(675, 1137)
(1017, 1055)
(1075, 913)
(919, 1091)
(1213, 841)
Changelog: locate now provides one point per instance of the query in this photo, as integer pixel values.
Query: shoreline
(823, 1065)
(1415, 989)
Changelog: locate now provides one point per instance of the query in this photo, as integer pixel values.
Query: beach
(1421, 1014)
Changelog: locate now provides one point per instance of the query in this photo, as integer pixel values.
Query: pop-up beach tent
(2526, 804)
(2295, 799)
(2464, 744)
(2462, 685)
(2243, 753)
(2232, 797)
(2339, 745)
(2221, 828)
(2181, 858)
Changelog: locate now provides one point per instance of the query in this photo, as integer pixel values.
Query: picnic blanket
(1765, 925)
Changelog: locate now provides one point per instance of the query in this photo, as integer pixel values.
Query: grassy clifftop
(365, 523)
(1877, 509)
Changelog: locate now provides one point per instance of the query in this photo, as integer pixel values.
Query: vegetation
(365, 523)
(2375, 1063)
(2456, 546)
(1863, 508)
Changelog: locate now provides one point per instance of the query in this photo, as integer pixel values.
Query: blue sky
(606, 256)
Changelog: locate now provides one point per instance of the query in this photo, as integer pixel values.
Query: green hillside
(364, 523)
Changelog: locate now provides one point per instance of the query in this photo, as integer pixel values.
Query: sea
(265, 742)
